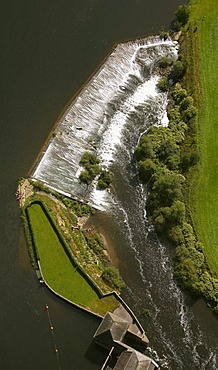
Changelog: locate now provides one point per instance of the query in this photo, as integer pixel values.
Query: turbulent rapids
(122, 96)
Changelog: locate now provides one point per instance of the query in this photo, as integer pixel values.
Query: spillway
(121, 97)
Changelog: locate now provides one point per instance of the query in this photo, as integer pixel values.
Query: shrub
(163, 84)
(178, 93)
(186, 102)
(168, 188)
(91, 164)
(164, 34)
(189, 113)
(86, 177)
(105, 180)
(146, 169)
(178, 70)
(182, 14)
(188, 159)
(165, 62)
(111, 276)
(169, 153)
(88, 158)
(182, 17)
(144, 149)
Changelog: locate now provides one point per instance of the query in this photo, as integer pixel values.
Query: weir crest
(118, 104)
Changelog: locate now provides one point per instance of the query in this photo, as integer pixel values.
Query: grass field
(57, 268)
(204, 184)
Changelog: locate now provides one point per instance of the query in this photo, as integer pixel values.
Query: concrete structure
(123, 338)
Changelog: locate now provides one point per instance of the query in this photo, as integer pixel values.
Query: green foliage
(92, 169)
(164, 34)
(104, 180)
(95, 242)
(178, 93)
(91, 164)
(168, 188)
(88, 159)
(165, 62)
(146, 169)
(165, 218)
(186, 102)
(189, 113)
(188, 159)
(177, 71)
(169, 153)
(111, 276)
(86, 177)
(163, 154)
(182, 17)
(182, 14)
(145, 149)
(163, 84)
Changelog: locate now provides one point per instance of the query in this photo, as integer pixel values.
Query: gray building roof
(134, 360)
(112, 328)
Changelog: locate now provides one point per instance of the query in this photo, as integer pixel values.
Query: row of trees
(164, 157)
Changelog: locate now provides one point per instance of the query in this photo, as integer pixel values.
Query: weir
(121, 98)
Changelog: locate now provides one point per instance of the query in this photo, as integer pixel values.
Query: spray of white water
(122, 94)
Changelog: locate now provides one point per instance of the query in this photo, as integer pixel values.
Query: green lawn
(57, 269)
(204, 185)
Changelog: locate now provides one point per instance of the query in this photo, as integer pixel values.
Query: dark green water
(48, 50)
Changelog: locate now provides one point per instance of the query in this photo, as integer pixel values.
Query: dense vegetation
(167, 156)
(92, 169)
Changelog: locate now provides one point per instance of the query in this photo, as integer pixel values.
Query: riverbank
(201, 55)
(172, 160)
(203, 185)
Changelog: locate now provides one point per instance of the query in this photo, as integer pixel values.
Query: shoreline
(101, 230)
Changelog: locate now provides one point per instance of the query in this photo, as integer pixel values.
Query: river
(48, 50)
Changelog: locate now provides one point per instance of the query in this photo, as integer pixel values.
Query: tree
(105, 180)
(182, 14)
(146, 169)
(88, 158)
(91, 164)
(165, 62)
(144, 149)
(169, 153)
(189, 113)
(168, 188)
(85, 177)
(182, 17)
(179, 93)
(186, 102)
(178, 70)
(163, 84)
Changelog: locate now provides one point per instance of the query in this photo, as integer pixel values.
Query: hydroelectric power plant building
(119, 103)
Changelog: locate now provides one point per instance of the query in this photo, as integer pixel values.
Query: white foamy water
(121, 94)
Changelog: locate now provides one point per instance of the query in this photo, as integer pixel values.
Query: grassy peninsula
(72, 258)
(178, 162)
